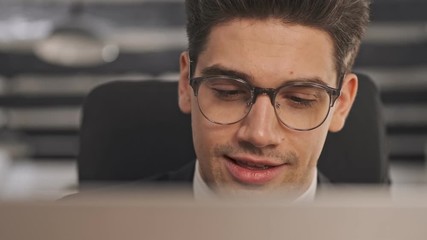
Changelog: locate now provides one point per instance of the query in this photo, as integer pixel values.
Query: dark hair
(344, 20)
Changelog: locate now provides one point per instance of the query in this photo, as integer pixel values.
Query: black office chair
(131, 130)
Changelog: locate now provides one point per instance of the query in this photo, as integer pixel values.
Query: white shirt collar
(202, 191)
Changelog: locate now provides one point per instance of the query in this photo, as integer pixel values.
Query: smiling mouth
(254, 172)
(252, 166)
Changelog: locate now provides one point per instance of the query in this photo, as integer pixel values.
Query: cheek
(207, 135)
(200, 140)
(202, 145)
(319, 138)
(310, 145)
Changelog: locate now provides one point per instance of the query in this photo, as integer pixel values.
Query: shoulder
(184, 174)
(182, 177)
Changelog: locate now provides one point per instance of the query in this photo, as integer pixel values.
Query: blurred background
(53, 52)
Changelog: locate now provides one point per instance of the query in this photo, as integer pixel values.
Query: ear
(184, 88)
(344, 102)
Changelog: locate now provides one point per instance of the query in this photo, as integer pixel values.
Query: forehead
(270, 49)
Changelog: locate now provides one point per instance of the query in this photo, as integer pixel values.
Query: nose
(260, 127)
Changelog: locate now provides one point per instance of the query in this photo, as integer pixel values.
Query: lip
(240, 168)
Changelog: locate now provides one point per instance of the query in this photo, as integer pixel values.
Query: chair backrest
(134, 129)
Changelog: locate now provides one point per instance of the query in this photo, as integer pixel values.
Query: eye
(302, 102)
(228, 90)
(229, 95)
(223, 92)
(298, 98)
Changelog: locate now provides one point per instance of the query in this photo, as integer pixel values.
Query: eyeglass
(301, 106)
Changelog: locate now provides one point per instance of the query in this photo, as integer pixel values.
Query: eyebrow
(310, 80)
(217, 69)
(220, 70)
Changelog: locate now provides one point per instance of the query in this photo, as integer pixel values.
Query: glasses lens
(223, 100)
(302, 107)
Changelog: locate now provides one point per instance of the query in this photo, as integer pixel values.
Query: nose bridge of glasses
(270, 92)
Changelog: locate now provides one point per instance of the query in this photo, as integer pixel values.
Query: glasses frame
(333, 93)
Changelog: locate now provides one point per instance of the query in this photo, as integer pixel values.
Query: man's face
(259, 153)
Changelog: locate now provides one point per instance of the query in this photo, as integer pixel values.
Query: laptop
(350, 213)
